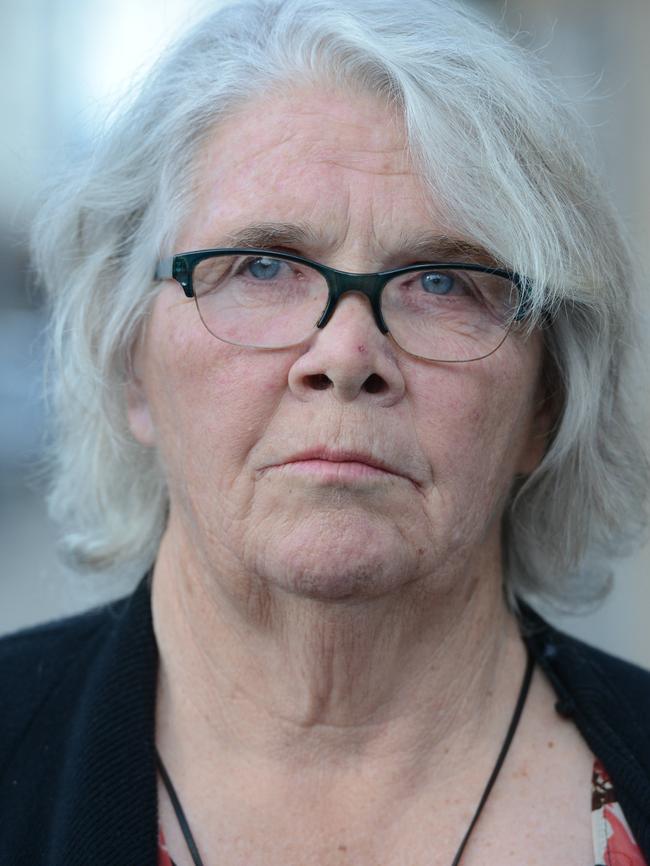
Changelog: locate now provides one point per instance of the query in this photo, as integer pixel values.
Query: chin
(344, 585)
(338, 568)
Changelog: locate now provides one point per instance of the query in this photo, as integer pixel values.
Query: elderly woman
(338, 317)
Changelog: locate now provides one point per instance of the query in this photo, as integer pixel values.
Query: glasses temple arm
(164, 269)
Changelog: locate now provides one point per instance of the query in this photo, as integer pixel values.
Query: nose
(349, 357)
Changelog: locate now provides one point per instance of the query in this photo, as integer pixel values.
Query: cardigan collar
(108, 810)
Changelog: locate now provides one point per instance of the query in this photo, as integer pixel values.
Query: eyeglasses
(440, 311)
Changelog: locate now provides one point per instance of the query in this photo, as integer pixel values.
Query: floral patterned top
(614, 844)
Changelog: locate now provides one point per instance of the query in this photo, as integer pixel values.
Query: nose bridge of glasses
(342, 283)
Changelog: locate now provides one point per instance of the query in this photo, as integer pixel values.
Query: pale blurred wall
(62, 62)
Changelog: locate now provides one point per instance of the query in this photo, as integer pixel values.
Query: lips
(335, 456)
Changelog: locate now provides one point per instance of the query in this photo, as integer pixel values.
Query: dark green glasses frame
(181, 268)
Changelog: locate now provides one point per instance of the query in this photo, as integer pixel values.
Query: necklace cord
(180, 815)
(514, 722)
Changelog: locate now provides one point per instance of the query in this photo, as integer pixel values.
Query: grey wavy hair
(496, 142)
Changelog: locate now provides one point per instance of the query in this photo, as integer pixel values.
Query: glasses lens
(449, 315)
(258, 301)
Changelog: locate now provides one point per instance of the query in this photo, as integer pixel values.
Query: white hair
(496, 142)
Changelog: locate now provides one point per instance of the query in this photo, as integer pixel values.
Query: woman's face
(230, 423)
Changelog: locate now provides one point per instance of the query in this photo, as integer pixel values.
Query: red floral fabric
(614, 844)
(163, 854)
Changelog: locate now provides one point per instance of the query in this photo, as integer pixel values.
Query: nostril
(374, 384)
(319, 382)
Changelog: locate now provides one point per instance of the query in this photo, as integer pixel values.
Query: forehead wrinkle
(329, 150)
(251, 157)
(390, 161)
(319, 151)
(327, 100)
(319, 225)
(363, 166)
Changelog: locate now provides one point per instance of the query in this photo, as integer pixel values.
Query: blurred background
(65, 63)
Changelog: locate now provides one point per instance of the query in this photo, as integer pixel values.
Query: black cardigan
(77, 756)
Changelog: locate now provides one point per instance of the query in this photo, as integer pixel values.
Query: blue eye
(436, 283)
(264, 268)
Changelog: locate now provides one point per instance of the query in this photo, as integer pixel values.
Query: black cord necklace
(514, 722)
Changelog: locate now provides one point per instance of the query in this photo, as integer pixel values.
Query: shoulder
(44, 648)
(629, 681)
(585, 675)
(77, 721)
(35, 660)
(608, 699)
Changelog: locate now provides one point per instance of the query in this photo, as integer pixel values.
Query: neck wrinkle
(410, 691)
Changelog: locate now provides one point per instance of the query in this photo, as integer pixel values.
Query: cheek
(210, 402)
(474, 426)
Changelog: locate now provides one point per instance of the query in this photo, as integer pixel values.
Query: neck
(403, 685)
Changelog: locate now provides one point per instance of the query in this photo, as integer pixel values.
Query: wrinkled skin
(335, 651)
(455, 434)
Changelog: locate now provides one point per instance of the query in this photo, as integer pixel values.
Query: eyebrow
(270, 235)
(426, 246)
